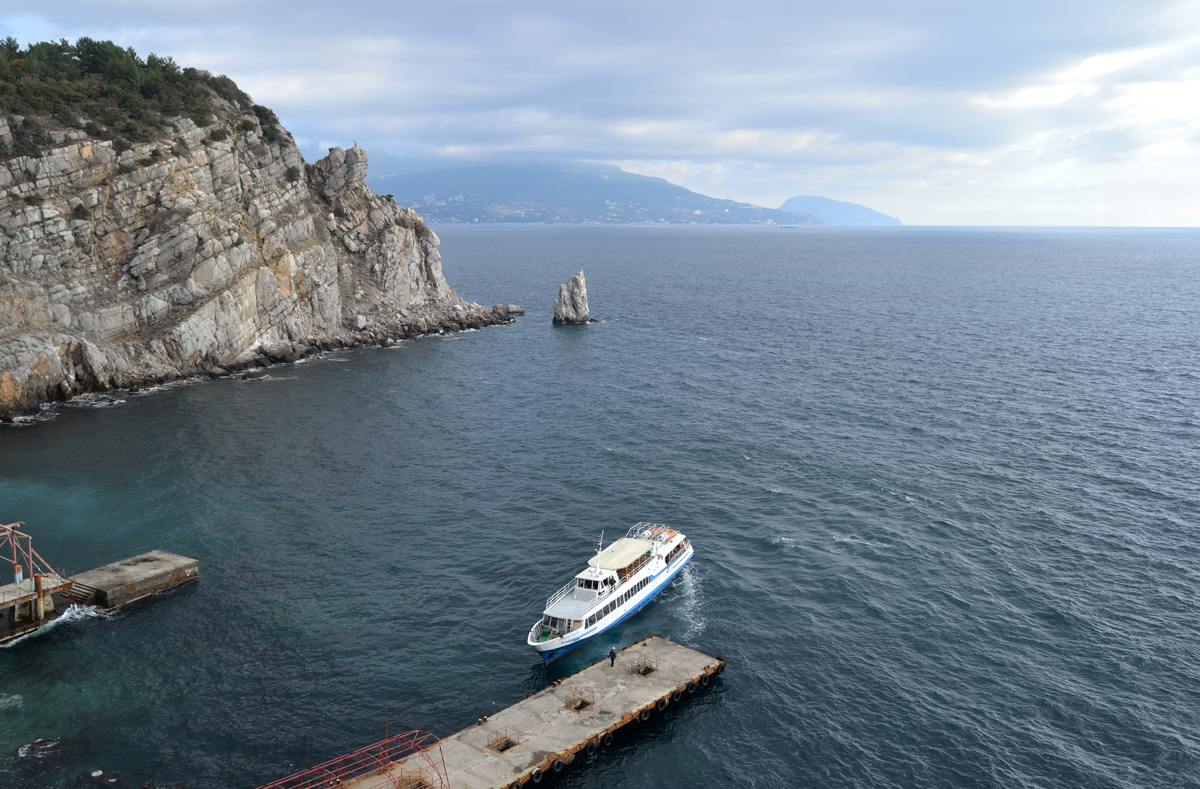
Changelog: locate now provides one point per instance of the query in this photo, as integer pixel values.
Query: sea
(943, 486)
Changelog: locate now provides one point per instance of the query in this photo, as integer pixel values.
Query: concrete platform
(16, 594)
(130, 579)
(546, 730)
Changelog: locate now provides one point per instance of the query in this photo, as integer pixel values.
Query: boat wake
(691, 603)
(74, 613)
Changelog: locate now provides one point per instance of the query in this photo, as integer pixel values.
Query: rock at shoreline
(506, 312)
(571, 306)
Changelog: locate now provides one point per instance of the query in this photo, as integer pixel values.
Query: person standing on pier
(612, 657)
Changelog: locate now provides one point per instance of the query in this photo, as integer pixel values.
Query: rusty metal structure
(376, 767)
(581, 698)
(29, 600)
(644, 665)
(504, 738)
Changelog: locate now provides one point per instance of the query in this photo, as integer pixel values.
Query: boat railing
(543, 632)
(632, 570)
(645, 530)
(561, 593)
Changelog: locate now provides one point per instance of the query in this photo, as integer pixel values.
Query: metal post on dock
(39, 605)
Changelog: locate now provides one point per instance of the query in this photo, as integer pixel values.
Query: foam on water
(72, 613)
(113, 400)
(849, 539)
(690, 602)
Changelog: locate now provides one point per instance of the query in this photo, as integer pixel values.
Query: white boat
(619, 581)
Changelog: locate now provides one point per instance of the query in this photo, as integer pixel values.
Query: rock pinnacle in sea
(571, 306)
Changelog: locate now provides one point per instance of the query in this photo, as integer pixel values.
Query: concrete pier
(30, 603)
(131, 579)
(543, 733)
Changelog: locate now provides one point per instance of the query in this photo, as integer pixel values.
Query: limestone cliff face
(118, 269)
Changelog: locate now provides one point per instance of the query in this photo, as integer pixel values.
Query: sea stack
(571, 306)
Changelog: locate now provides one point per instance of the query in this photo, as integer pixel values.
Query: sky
(944, 113)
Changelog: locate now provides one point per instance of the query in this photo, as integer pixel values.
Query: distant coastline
(565, 193)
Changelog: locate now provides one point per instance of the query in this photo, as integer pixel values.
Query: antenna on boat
(600, 542)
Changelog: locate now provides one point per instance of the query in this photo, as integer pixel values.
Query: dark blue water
(943, 486)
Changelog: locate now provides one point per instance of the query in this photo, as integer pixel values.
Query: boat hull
(556, 648)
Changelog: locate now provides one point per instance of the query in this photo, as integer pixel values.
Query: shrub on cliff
(270, 123)
(107, 91)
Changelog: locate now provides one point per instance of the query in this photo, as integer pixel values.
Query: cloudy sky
(938, 112)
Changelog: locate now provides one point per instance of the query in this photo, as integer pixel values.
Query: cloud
(1107, 63)
(1037, 96)
(933, 111)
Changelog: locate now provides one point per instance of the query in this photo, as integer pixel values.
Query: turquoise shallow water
(942, 485)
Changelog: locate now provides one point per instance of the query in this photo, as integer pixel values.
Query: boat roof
(620, 554)
(570, 608)
(594, 573)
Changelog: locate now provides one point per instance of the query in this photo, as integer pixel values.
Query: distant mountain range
(835, 212)
(571, 193)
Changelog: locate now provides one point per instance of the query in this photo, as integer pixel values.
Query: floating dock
(538, 736)
(33, 600)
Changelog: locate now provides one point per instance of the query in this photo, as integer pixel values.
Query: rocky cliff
(126, 264)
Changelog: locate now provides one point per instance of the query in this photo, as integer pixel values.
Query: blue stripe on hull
(551, 655)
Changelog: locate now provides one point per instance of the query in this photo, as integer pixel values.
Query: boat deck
(571, 608)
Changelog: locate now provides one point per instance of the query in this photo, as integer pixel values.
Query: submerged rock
(571, 306)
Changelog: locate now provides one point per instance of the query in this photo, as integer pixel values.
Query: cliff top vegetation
(111, 93)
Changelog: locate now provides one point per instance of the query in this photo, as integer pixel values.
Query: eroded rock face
(571, 306)
(119, 269)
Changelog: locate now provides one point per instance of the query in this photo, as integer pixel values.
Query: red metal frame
(422, 766)
(30, 564)
(23, 556)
